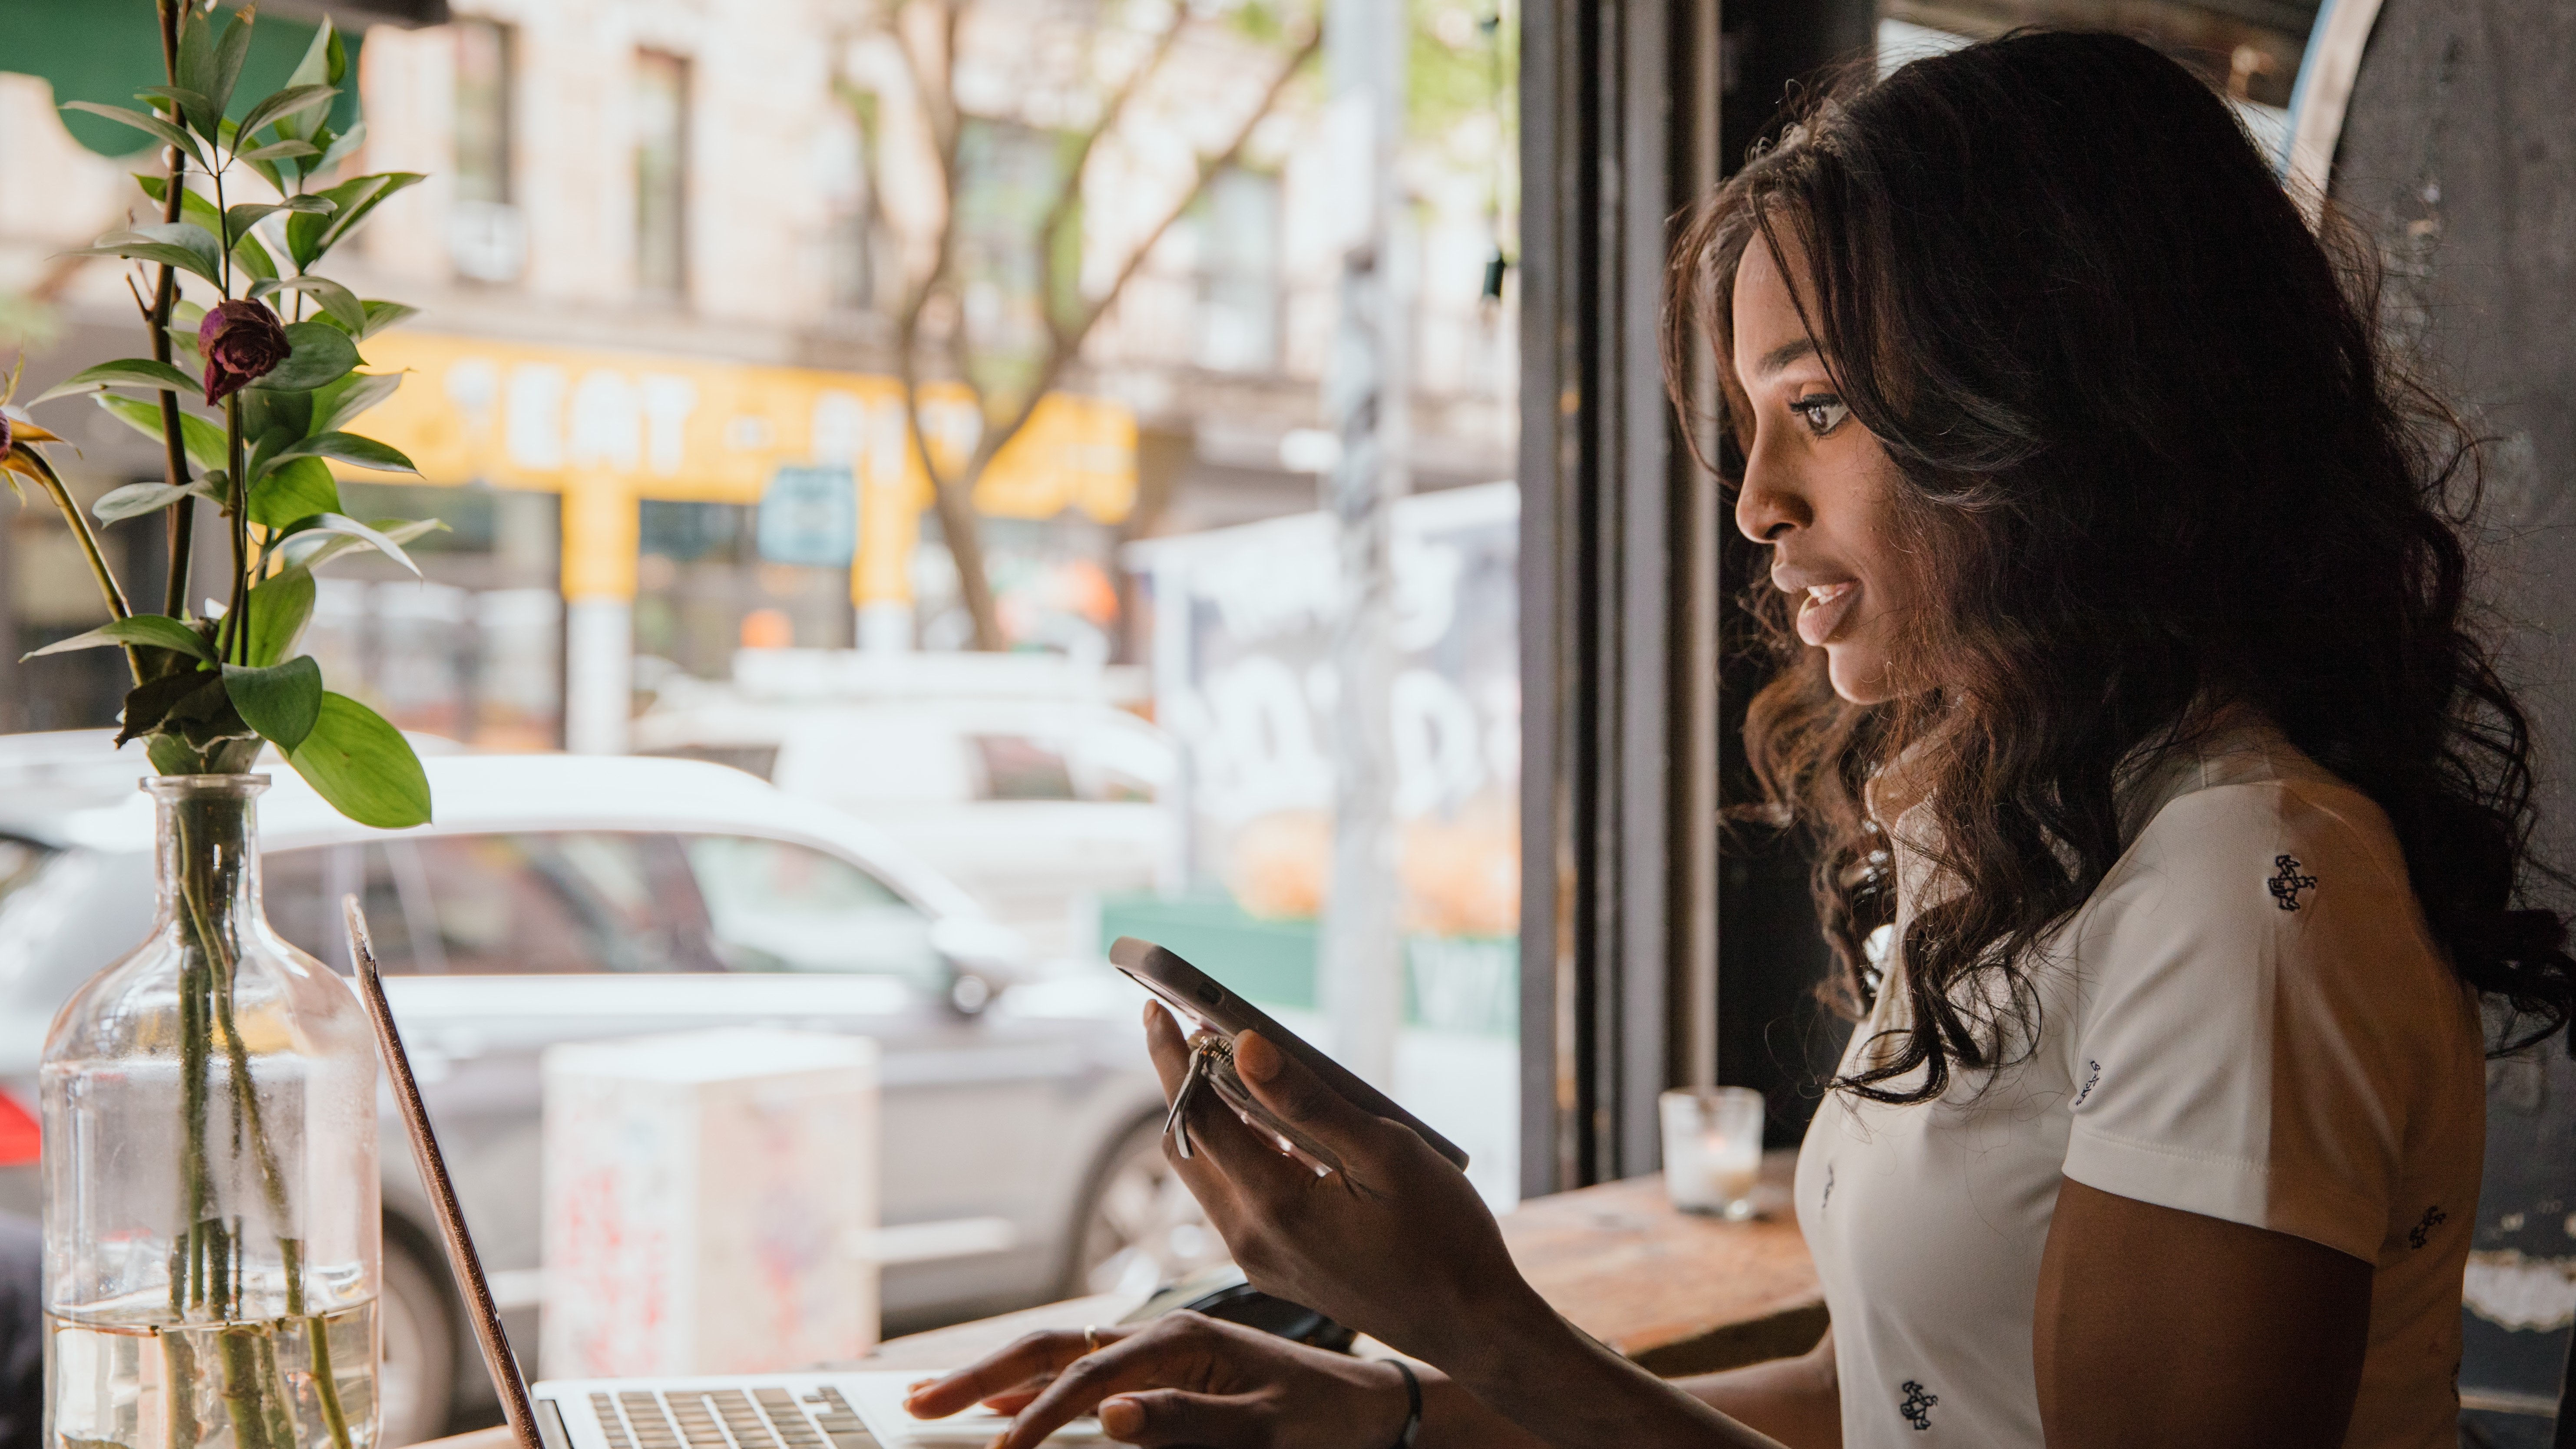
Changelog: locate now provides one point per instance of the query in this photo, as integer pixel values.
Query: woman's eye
(1822, 412)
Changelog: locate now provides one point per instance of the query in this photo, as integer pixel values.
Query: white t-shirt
(2249, 1021)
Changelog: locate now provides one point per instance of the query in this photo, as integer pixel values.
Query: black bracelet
(1413, 1405)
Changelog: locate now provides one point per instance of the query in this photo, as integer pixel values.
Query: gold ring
(1090, 1338)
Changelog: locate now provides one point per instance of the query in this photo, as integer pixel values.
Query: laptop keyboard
(762, 1418)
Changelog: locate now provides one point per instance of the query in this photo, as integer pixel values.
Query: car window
(776, 906)
(761, 760)
(1019, 768)
(20, 860)
(558, 902)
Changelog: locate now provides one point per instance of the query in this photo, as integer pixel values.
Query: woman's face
(1817, 488)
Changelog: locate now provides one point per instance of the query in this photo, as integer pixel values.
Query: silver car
(563, 897)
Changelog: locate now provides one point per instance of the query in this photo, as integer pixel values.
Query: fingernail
(1121, 1417)
(1255, 1057)
(1150, 1008)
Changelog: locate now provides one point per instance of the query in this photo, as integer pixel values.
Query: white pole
(1361, 985)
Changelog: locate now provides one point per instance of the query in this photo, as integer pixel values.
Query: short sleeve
(2246, 1050)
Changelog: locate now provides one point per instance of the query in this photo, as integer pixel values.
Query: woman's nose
(1766, 512)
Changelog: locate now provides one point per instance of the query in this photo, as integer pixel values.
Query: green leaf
(301, 550)
(276, 612)
(136, 499)
(158, 630)
(204, 441)
(297, 489)
(171, 755)
(279, 150)
(240, 219)
(185, 104)
(344, 400)
(254, 259)
(380, 315)
(179, 244)
(298, 547)
(167, 134)
(124, 372)
(295, 100)
(322, 355)
(363, 766)
(196, 68)
(325, 63)
(341, 303)
(309, 236)
(352, 449)
(182, 695)
(229, 54)
(281, 701)
(337, 148)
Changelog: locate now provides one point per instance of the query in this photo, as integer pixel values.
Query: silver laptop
(809, 1410)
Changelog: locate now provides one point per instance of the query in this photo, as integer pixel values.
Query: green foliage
(363, 766)
(281, 701)
(158, 630)
(140, 372)
(277, 612)
(322, 356)
(297, 489)
(207, 693)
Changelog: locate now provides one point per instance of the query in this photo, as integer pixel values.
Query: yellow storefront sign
(607, 429)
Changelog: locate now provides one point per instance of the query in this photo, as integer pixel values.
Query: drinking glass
(1713, 1149)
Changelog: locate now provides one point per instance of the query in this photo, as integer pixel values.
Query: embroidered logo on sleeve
(2286, 882)
(2422, 1233)
(1917, 1406)
(2092, 1078)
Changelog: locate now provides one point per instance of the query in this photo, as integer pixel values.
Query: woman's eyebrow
(1780, 357)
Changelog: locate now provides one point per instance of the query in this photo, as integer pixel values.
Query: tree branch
(1069, 346)
(1069, 195)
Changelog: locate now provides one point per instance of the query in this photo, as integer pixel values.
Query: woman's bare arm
(2157, 1326)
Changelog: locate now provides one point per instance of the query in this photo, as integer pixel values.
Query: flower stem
(236, 626)
(117, 608)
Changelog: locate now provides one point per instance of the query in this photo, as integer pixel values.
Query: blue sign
(810, 516)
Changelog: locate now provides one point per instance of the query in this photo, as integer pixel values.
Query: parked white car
(1037, 807)
(562, 897)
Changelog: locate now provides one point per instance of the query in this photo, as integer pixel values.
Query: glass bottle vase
(211, 1215)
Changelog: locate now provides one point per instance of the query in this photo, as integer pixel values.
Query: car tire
(1139, 1227)
(416, 1327)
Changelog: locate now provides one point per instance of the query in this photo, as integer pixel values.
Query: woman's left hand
(1398, 1245)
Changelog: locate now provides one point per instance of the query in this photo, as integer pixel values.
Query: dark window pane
(774, 906)
(1018, 768)
(19, 862)
(750, 759)
(661, 173)
(558, 903)
(483, 79)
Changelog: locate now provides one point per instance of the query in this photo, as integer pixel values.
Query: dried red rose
(242, 343)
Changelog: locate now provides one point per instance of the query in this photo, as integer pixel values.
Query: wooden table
(1679, 1294)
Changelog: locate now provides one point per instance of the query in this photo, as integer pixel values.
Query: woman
(2132, 697)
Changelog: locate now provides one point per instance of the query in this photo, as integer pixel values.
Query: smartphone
(1202, 1000)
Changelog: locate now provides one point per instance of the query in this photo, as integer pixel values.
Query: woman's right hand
(1181, 1379)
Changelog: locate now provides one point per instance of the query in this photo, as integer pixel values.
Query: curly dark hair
(2155, 454)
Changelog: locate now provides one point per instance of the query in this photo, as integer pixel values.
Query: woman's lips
(1823, 610)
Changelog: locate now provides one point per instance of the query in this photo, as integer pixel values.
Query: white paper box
(704, 1193)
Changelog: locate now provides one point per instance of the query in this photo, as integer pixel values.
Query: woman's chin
(1858, 675)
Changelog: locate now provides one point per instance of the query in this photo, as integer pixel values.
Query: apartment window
(1008, 176)
(487, 238)
(486, 62)
(661, 173)
(1237, 219)
(852, 235)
